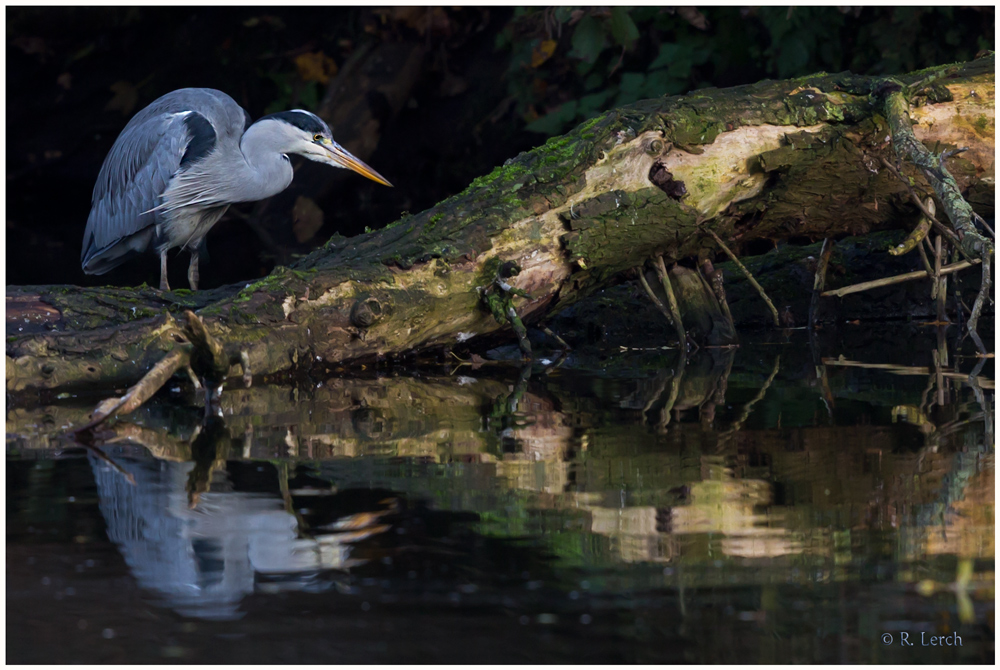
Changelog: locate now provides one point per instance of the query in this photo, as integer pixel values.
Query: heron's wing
(143, 160)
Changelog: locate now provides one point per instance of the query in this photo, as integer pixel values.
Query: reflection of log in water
(203, 560)
(694, 381)
(646, 496)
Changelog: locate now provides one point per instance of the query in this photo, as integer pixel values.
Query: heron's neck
(263, 170)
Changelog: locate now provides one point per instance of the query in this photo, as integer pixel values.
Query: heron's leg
(164, 286)
(193, 269)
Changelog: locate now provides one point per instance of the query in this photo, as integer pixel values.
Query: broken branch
(897, 279)
(749, 276)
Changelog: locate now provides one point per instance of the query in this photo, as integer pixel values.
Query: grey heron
(180, 163)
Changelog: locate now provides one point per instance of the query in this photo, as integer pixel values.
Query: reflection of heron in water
(204, 559)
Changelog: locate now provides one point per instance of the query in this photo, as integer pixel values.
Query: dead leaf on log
(307, 218)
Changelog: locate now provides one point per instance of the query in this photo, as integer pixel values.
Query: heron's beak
(340, 157)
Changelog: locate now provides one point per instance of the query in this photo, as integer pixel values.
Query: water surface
(740, 506)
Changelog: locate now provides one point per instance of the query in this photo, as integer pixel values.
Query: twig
(819, 281)
(675, 387)
(898, 279)
(753, 282)
(197, 349)
(143, 389)
(975, 382)
(675, 310)
(926, 261)
(945, 155)
(982, 222)
(107, 459)
(554, 336)
(907, 370)
(652, 296)
(712, 279)
(941, 281)
(745, 412)
(977, 307)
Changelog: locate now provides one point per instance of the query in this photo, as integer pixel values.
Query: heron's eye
(317, 138)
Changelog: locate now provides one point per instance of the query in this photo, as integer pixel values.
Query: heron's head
(304, 133)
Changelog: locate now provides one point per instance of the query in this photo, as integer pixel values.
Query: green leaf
(632, 88)
(554, 122)
(792, 57)
(658, 83)
(593, 81)
(593, 102)
(668, 53)
(623, 28)
(588, 40)
(633, 81)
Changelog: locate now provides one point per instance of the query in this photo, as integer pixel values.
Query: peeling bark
(770, 160)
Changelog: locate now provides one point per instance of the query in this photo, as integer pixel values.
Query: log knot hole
(365, 312)
(508, 269)
(664, 180)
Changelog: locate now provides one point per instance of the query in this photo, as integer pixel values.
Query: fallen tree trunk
(772, 160)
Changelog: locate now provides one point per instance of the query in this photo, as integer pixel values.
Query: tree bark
(772, 160)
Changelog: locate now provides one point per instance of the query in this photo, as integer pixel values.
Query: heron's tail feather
(99, 261)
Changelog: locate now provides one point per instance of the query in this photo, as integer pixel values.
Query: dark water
(749, 506)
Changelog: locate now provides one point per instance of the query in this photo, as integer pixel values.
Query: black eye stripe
(303, 120)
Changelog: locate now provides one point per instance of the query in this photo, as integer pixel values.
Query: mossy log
(772, 160)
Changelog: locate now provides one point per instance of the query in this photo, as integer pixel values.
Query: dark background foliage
(490, 83)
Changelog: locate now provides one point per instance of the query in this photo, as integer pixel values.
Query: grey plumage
(180, 163)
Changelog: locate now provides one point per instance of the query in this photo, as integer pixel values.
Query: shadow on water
(762, 504)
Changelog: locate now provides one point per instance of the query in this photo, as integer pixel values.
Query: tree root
(675, 311)
(895, 107)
